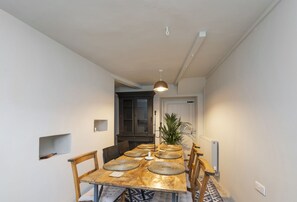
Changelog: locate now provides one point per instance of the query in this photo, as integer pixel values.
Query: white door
(185, 108)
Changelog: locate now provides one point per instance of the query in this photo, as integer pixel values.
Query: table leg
(96, 198)
(174, 197)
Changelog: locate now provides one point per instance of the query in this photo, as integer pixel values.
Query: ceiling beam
(192, 53)
(126, 82)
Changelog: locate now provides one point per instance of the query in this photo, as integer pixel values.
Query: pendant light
(160, 85)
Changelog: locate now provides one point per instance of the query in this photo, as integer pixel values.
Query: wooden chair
(197, 153)
(189, 162)
(110, 153)
(198, 165)
(107, 193)
(202, 170)
(123, 147)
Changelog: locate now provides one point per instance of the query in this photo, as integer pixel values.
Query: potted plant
(172, 130)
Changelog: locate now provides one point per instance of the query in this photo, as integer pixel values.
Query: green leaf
(171, 131)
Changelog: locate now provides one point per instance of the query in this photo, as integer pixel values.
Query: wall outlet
(260, 188)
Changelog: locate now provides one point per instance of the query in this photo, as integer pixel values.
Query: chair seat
(88, 196)
(109, 194)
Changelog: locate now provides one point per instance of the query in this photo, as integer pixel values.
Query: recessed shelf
(100, 125)
(50, 146)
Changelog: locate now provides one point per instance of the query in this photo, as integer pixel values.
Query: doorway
(186, 109)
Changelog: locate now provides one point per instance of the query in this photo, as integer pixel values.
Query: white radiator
(210, 149)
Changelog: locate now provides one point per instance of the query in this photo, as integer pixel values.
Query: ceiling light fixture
(160, 85)
(167, 31)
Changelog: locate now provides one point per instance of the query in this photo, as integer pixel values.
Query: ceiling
(127, 37)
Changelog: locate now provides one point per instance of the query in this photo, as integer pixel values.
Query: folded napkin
(116, 174)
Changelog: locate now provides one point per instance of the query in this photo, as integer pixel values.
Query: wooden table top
(141, 177)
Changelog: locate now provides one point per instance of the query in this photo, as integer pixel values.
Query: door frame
(162, 99)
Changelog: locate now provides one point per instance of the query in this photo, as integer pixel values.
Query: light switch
(260, 188)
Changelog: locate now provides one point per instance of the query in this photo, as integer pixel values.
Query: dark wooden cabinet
(136, 117)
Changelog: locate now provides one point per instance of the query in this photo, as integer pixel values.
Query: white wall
(45, 89)
(192, 85)
(250, 107)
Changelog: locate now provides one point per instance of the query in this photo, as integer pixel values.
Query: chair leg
(142, 193)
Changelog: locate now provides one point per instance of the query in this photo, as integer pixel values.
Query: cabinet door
(141, 116)
(136, 115)
(126, 116)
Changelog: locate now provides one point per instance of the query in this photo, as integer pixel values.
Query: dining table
(142, 177)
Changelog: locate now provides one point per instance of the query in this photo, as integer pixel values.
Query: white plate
(149, 157)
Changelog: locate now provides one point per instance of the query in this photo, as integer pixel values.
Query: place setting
(147, 146)
(121, 165)
(170, 147)
(168, 155)
(136, 153)
(166, 168)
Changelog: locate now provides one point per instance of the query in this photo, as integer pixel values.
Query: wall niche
(100, 125)
(50, 146)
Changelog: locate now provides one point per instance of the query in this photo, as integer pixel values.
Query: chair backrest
(194, 152)
(123, 147)
(202, 168)
(110, 153)
(77, 160)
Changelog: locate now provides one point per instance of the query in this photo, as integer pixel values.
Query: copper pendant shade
(160, 85)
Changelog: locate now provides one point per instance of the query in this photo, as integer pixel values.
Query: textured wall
(250, 107)
(45, 89)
